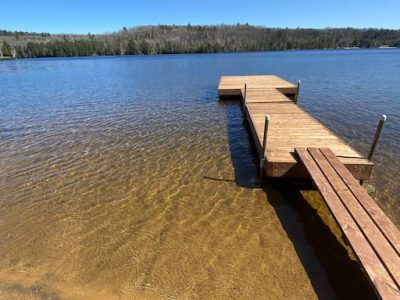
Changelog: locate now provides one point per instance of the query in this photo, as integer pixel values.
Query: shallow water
(125, 177)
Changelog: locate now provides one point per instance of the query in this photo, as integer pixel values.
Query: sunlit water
(127, 178)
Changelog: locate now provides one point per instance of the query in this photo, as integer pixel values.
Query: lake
(125, 177)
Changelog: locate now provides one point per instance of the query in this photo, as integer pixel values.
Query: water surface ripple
(124, 177)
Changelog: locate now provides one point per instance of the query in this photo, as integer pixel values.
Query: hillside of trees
(191, 39)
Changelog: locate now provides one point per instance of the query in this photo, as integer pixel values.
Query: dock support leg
(264, 148)
(376, 137)
(244, 99)
(375, 140)
(297, 92)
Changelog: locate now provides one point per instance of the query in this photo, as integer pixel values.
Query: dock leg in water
(376, 137)
(244, 99)
(296, 98)
(264, 147)
(375, 140)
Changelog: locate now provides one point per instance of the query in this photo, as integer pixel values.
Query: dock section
(233, 86)
(289, 126)
(375, 240)
(292, 143)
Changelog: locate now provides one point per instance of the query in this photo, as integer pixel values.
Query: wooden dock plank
(384, 284)
(291, 127)
(387, 227)
(385, 252)
(262, 95)
(232, 85)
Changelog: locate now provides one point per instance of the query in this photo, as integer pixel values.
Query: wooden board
(232, 85)
(375, 252)
(391, 232)
(263, 95)
(291, 127)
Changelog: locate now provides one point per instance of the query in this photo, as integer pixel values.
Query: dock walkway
(289, 126)
(375, 240)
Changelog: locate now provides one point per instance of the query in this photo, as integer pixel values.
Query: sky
(99, 16)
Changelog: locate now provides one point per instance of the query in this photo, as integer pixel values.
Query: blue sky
(74, 16)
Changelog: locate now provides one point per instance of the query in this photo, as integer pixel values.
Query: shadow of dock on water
(242, 150)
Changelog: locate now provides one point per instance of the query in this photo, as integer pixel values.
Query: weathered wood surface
(232, 85)
(264, 95)
(290, 126)
(372, 236)
(390, 230)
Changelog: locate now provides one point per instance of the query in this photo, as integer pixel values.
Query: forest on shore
(168, 39)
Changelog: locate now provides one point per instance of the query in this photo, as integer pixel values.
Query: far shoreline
(345, 49)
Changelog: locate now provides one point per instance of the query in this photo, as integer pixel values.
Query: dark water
(125, 177)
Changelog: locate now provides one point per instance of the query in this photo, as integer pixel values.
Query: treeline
(22, 33)
(191, 39)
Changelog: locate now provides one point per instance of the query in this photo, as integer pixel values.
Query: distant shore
(227, 52)
(172, 39)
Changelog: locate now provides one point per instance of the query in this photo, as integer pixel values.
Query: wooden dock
(234, 85)
(289, 126)
(375, 240)
(291, 143)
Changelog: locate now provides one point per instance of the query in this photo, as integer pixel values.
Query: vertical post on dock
(264, 147)
(244, 98)
(376, 137)
(297, 92)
